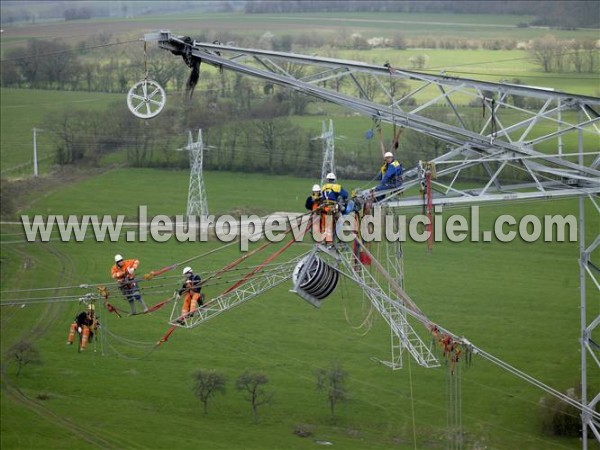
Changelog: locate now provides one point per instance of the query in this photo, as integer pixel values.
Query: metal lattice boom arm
(522, 122)
(250, 289)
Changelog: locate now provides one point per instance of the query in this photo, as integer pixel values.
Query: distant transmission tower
(197, 204)
(328, 151)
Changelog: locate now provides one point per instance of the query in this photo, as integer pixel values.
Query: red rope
(165, 338)
(156, 273)
(158, 306)
(242, 258)
(268, 260)
(112, 309)
(429, 226)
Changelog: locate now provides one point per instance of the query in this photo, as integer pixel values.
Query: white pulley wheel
(146, 99)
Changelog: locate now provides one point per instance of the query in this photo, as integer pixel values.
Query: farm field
(25, 109)
(480, 26)
(519, 297)
(518, 301)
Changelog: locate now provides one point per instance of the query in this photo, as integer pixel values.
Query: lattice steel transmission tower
(197, 204)
(518, 151)
(328, 151)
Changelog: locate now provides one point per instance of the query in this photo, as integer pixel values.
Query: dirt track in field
(52, 317)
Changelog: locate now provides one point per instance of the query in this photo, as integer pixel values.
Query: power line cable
(70, 50)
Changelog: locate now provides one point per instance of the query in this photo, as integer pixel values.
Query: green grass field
(518, 301)
(24, 109)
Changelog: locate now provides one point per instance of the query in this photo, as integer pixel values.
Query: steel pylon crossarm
(525, 129)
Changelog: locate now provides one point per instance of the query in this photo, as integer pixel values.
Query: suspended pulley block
(314, 279)
(146, 99)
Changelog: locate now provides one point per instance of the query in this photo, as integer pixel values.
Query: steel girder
(524, 133)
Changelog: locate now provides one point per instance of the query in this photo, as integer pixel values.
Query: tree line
(552, 13)
(553, 55)
(559, 13)
(56, 64)
(259, 137)
(247, 126)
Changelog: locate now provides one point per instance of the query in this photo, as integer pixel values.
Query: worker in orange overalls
(192, 290)
(314, 199)
(124, 273)
(86, 324)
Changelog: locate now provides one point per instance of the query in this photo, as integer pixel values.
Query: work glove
(131, 270)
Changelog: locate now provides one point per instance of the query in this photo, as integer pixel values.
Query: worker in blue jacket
(390, 175)
(332, 192)
(334, 201)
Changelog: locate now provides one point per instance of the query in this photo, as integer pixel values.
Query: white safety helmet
(186, 270)
(330, 176)
(316, 188)
(388, 155)
(118, 258)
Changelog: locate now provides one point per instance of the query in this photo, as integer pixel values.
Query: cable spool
(314, 279)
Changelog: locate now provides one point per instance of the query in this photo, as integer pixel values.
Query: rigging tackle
(146, 99)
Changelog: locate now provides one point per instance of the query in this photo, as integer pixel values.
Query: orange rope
(156, 273)
(165, 338)
(157, 306)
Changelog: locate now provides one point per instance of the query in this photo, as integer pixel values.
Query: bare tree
(398, 41)
(59, 64)
(297, 101)
(418, 61)
(591, 56)
(9, 70)
(252, 384)
(206, 384)
(366, 86)
(269, 135)
(24, 353)
(544, 52)
(333, 382)
(65, 127)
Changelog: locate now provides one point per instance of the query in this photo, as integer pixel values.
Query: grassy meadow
(23, 110)
(518, 300)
